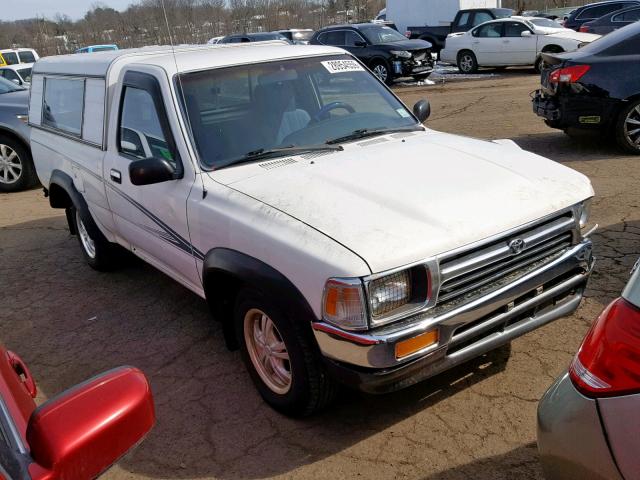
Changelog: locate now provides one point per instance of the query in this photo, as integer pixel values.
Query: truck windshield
(319, 102)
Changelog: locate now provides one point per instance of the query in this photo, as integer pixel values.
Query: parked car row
(510, 42)
(595, 89)
(380, 47)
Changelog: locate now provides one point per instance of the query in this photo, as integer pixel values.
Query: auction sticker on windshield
(339, 66)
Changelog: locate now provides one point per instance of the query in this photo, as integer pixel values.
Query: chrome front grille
(514, 254)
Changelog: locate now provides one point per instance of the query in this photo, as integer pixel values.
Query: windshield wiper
(373, 132)
(263, 153)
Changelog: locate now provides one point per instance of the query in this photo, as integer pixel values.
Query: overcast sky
(74, 8)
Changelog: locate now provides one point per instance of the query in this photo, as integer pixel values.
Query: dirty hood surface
(395, 201)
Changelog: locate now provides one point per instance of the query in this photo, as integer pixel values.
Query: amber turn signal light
(415, 344)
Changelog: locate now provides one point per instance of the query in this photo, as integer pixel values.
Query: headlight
(388, 293)
(400, 53)
(398, 294)
(343, 303)
(585, 213)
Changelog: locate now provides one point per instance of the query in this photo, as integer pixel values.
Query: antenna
(184, 100)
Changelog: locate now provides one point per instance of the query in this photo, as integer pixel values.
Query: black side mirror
(150, 170)
(422, 109)
(360, 43)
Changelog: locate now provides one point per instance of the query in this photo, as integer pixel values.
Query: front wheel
(467, 62)
(279, 357)
(627, 129)
(381, 70)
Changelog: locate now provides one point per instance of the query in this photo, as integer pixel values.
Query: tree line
(194, 21)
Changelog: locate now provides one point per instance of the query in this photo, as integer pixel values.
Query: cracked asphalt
(477, 421)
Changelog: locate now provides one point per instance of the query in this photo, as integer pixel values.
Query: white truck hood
(395, 201)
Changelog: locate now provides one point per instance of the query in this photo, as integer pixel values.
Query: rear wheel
(16, 166)
(539, 65)
(280, 357)
(99, 253)
(467, 62)
(627, 129)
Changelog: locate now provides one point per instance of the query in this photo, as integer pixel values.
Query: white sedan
(509, 42)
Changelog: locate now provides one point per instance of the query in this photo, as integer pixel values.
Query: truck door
(150, 218)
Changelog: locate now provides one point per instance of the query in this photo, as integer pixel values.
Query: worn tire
(378, 67)
(105, 255)
(310, 388)
(625, 128)
(467, 62)
(20, 156)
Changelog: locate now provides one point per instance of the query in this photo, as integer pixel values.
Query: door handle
(116, 176)
(506, 41)
(23, 373)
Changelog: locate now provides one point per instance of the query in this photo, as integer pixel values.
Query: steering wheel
(323, 113)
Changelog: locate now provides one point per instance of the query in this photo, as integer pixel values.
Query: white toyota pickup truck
(336, 238)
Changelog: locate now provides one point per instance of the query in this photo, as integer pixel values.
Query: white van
(336, 238)
(15, 56)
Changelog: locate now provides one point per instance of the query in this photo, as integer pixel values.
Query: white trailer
(405, 13)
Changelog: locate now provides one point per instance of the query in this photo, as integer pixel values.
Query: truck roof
(187, 57)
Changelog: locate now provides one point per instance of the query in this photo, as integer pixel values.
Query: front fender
(225, 271)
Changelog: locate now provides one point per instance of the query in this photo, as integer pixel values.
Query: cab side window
(141, 133)
(464, 20)
(481, 17)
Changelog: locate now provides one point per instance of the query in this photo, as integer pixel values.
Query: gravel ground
(478, 421)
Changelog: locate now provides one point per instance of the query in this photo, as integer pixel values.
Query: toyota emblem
(516, 245)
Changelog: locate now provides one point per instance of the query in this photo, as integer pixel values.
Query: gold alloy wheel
(267, 351)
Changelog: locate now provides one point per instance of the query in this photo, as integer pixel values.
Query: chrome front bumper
(368, 360)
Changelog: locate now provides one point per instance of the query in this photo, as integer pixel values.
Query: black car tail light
(568, 74)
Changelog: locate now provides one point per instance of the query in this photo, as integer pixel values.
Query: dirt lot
(69, 323)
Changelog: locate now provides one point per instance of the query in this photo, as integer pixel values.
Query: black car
(593, 11)
(253, 37)
(595, 88)
(386, 52)
(612, 21)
